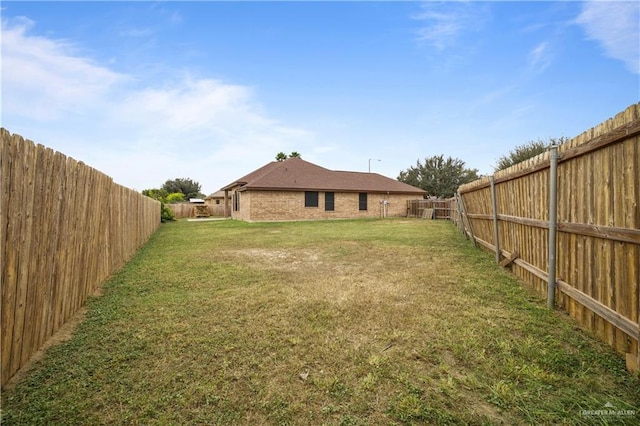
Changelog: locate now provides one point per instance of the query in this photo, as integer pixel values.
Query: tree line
(174, 191)
(441, 176)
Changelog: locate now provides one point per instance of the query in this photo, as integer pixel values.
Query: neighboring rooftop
(217, 194)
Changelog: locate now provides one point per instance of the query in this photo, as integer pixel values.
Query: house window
(217, 201)
(311, 199)
(236, 201)
(329, 201)
(362, 201)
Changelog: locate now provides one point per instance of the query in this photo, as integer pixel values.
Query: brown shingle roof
(297, 174)
(217, 194)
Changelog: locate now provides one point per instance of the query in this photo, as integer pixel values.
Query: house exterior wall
(244, 209)
(256, 206)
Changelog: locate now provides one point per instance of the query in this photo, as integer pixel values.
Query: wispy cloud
(445, 22)
(208, 115)
(495, 95)
(616, 26)
(136, 32)
(139, 132)
(539, 57)
(175, 18)
(42, 78)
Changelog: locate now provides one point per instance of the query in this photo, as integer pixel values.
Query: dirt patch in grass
(350, 322)
(275, 258)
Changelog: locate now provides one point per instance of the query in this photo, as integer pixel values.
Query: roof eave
(232, 185)
(372, 191)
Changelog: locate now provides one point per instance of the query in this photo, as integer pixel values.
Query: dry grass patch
(349, 322)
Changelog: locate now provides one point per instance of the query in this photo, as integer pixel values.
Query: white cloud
(443, 29)
(43, 79)
(139, 132)
(615, 25)
(539, 57)
(445, 22)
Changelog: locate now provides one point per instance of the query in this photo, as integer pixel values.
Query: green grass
(364, 322)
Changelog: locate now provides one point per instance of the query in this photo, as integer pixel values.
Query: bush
(175, 197)
(166, 214)
(156, 194)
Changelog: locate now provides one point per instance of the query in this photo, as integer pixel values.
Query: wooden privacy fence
(594, 271)
(433, 209)
(183, 210)
(64, 229)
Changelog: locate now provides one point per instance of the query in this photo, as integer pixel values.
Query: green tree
(175, 197)
(281, 156)
(525, 151)
(156, 194)
(166, 214)
(439, 176)
(186, 186)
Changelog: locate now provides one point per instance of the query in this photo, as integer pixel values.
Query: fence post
(464, 214)
(494, 205)
(553, 223)
(460, 218)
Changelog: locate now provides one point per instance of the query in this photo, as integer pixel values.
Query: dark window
(362, 200)
(311, 199)
(329, 201)
(236, 201)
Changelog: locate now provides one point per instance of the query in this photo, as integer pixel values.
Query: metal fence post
(494, 205)
(553, 223)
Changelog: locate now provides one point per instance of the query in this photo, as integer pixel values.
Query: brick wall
(287, 205)
(245, 205)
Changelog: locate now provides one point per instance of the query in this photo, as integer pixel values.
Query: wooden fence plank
(64, 249)
(56, 192)
(24, 244)
(12, 156)
(613, 317)
(49, 204)
(606, 232)
(598, 226)
(34, 208)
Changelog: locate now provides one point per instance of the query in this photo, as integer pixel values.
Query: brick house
(216, 203)
(295, 189)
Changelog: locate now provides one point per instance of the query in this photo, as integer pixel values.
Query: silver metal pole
(370, 163)
(494, 205)
(553, 224)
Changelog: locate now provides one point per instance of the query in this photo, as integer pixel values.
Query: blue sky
(150, 91)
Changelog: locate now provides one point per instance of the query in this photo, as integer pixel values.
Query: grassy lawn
(347, 322)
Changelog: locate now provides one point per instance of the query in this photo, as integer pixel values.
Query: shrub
(175, 197)
(166, 214)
